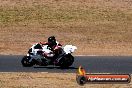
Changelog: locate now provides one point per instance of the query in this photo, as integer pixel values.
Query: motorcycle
(62, 56)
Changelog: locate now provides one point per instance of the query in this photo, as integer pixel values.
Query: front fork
(30, 59)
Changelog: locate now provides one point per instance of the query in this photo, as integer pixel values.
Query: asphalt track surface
(92, 64)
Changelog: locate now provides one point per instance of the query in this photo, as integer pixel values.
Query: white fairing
(34, 51)
(69, 49)
(47, 51)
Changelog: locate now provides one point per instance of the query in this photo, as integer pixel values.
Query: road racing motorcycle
(43, 56)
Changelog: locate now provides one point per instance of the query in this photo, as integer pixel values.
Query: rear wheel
(66, 61)
(25, 61)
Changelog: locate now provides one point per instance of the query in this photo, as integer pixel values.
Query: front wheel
(25, 61)
(66, 61)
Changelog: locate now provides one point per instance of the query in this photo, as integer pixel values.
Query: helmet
(52, 40)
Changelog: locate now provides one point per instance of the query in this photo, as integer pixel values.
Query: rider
(52, 44)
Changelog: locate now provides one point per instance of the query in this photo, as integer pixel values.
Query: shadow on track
(54, 67)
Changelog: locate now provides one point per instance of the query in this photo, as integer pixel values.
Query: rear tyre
(66, 61)
(25, 61)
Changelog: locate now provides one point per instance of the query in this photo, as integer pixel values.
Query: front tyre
(66, 61)
(25, 61)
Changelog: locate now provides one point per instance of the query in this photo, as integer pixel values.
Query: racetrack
(92, 64)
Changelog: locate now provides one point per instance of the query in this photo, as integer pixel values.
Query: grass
(48, 80)
(101, 27)
(47, 15)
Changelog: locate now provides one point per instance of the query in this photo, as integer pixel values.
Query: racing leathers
(53, 49)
